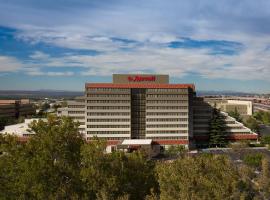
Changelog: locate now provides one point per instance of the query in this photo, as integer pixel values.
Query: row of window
(166, 90)
(108, 120)
(166, 95)
(108, 95)
(169, 138)
(108, 126)
(76, 106)
(108, 114)
(166, 107)
(167, 132)
(107, 132)
(76, 112)
(108, 89)
(167, 101)
(167, 120)
(165, 125)
(108, 101)
(110, 138)
(107, 107)
(167, 113)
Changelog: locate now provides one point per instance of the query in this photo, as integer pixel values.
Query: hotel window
(108, 101)
(167, 114)
(166, 107)
(107, 132)
(108, 114)
(75, 112)
(107, 107)
(167, 132)
(166, 125)
(168, 138)
(108, 95)
(76, 106)
(166, 119)
(108, 120)
(107, 126)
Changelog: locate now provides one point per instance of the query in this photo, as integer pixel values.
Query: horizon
(60, 45)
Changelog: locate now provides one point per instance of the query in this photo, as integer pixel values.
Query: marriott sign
(141, 78)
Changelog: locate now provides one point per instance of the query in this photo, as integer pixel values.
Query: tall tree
(217, 130)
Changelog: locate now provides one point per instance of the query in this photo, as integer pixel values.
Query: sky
(61, 44)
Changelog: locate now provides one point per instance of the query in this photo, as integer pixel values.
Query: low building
(16, 108)
(21, 130)
(145, 145)
(244, 108)
(202, 114)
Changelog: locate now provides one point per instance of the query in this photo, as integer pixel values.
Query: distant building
(16, 108)
(244, 108)
(75, 109)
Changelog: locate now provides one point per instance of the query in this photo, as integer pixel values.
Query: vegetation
(253, 160)
(45, 106)
(6, 121)
(204, 177)
(253, 124)
(217, 132)
(175, 150)
(57, 163)
(263, 117)
(236, 115)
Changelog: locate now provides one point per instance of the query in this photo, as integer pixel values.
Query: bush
(253, 160)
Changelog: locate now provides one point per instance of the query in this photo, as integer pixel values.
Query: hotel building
(146, 107)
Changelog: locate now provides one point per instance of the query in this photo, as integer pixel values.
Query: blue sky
(61, 44)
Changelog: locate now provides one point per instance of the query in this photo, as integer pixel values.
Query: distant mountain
(19, 94)
(227, 93)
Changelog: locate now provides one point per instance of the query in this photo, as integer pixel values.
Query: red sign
(141, 78)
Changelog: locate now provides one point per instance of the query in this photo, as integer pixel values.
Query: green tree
(252, 124)
(11, 153)
(263, 117)
(217, 129)
(116, 175)
(175, 150)
(201, 178)
(266, 118)
(45, 106)
(236, 115)
(3, 122)
(48, 165)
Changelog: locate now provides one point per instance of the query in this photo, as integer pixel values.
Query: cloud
(9, 64)
(178, 62)
(213, 39)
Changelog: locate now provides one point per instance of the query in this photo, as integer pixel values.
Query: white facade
(21, 129)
